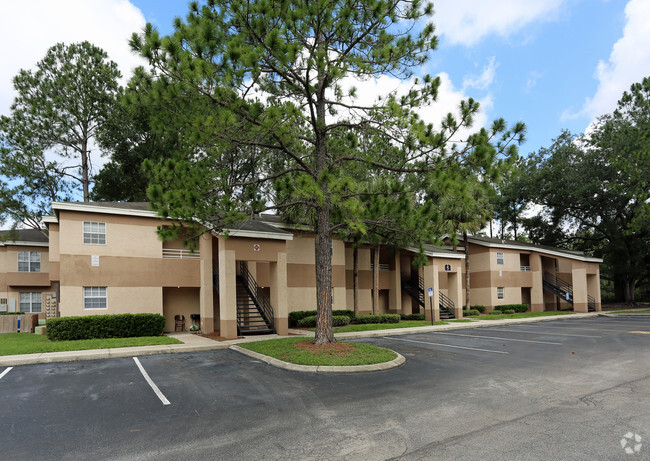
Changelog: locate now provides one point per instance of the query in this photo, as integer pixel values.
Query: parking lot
(563, 389)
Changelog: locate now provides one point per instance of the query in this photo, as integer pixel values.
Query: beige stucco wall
(120, 300)
(180, 301)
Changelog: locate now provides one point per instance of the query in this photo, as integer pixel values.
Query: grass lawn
(301, 351)
(28, 343)
(522, 315)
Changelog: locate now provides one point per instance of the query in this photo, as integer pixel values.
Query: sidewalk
(195, 343)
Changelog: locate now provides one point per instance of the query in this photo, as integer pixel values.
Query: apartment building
(24, 274)
(106, 258)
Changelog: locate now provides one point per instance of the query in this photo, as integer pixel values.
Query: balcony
(525, 268)
(174, 253)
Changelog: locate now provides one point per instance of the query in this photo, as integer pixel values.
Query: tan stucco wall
(180, 301)
(120, 300)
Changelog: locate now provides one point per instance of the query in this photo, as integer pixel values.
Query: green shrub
(509, 311)
(12, 313)
(514, 307)
(478, 307)
(105, 326)
(295, 317)
(496, 313)
(347, 312)
(381, 318)
(470, 312)
(337, 321)
(411, 316)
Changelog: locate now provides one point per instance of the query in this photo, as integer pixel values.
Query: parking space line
(7, 370)
(546, 333)
(500, 339)
(445, 345)
(160, 395)
(578, 328)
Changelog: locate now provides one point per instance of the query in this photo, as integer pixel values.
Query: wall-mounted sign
(447, 267)
(94, 260)
(256, 247)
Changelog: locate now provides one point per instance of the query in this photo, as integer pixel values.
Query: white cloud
(29, 29)
(485, 79)
(469, 21)
(629, 62)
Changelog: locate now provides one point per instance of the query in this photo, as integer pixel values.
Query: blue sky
(553, 64)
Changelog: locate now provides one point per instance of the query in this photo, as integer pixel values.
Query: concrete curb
(97, 354)
(396, 362)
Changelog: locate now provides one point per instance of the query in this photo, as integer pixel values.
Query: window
(29, 261)
(500, 292)
(94, 297)
(94, 233)
(499, 257)
(31, 303)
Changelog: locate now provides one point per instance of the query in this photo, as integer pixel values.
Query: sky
(552, 64)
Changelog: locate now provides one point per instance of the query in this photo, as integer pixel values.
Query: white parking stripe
(545, 333)
(2, 375)
(444, 345)
(160, 395)
(500, 339)
(579, 328)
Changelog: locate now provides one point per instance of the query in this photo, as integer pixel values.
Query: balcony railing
(525, 268)
(180, 254)
(382, 267)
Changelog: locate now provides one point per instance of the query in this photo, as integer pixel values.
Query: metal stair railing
(414, 292)
(446, 303)
(591, 304)
(259, 299)
(558, 287)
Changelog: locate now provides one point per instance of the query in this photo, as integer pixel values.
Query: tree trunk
(466, 270)
(355, 278)
(375, 281)
(324, 333)
(85, 181)
(629, 292)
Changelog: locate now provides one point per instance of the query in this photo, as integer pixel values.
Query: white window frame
(500, 258)
(35, 298)
(32, 259)
(501, 291)
(94, 235)
(95, 294)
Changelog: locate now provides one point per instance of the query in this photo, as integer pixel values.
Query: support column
(279, 294)
(395, 296)
(455, 290)
(579, 282)
(593, 288)
(227, 291)
(430, 278)
(206, 300)
(537, 290)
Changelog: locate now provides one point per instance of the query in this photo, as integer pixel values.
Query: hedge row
(470, 312)
(337, 321)
(496, 312)
(412, 316)
(513, 307)
(12, 313)
(297, 316)
(105, 326)
(381, 318)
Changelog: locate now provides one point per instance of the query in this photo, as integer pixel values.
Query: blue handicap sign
(430, 292)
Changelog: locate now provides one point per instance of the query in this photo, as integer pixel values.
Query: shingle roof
(532, 246)
(26, 235)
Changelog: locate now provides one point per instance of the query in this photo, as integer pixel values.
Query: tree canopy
(277, 123)
(595, 190)
(46, 141)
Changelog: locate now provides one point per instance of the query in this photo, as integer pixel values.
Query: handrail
(525, 268)
(416, 293)
(382, 267)
(560, 287)
(260, 300)
(179, 253)
(591, 303)
(446, 303)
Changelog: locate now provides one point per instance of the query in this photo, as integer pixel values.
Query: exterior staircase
(417, 292)
(254, 311)
(564, 290)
